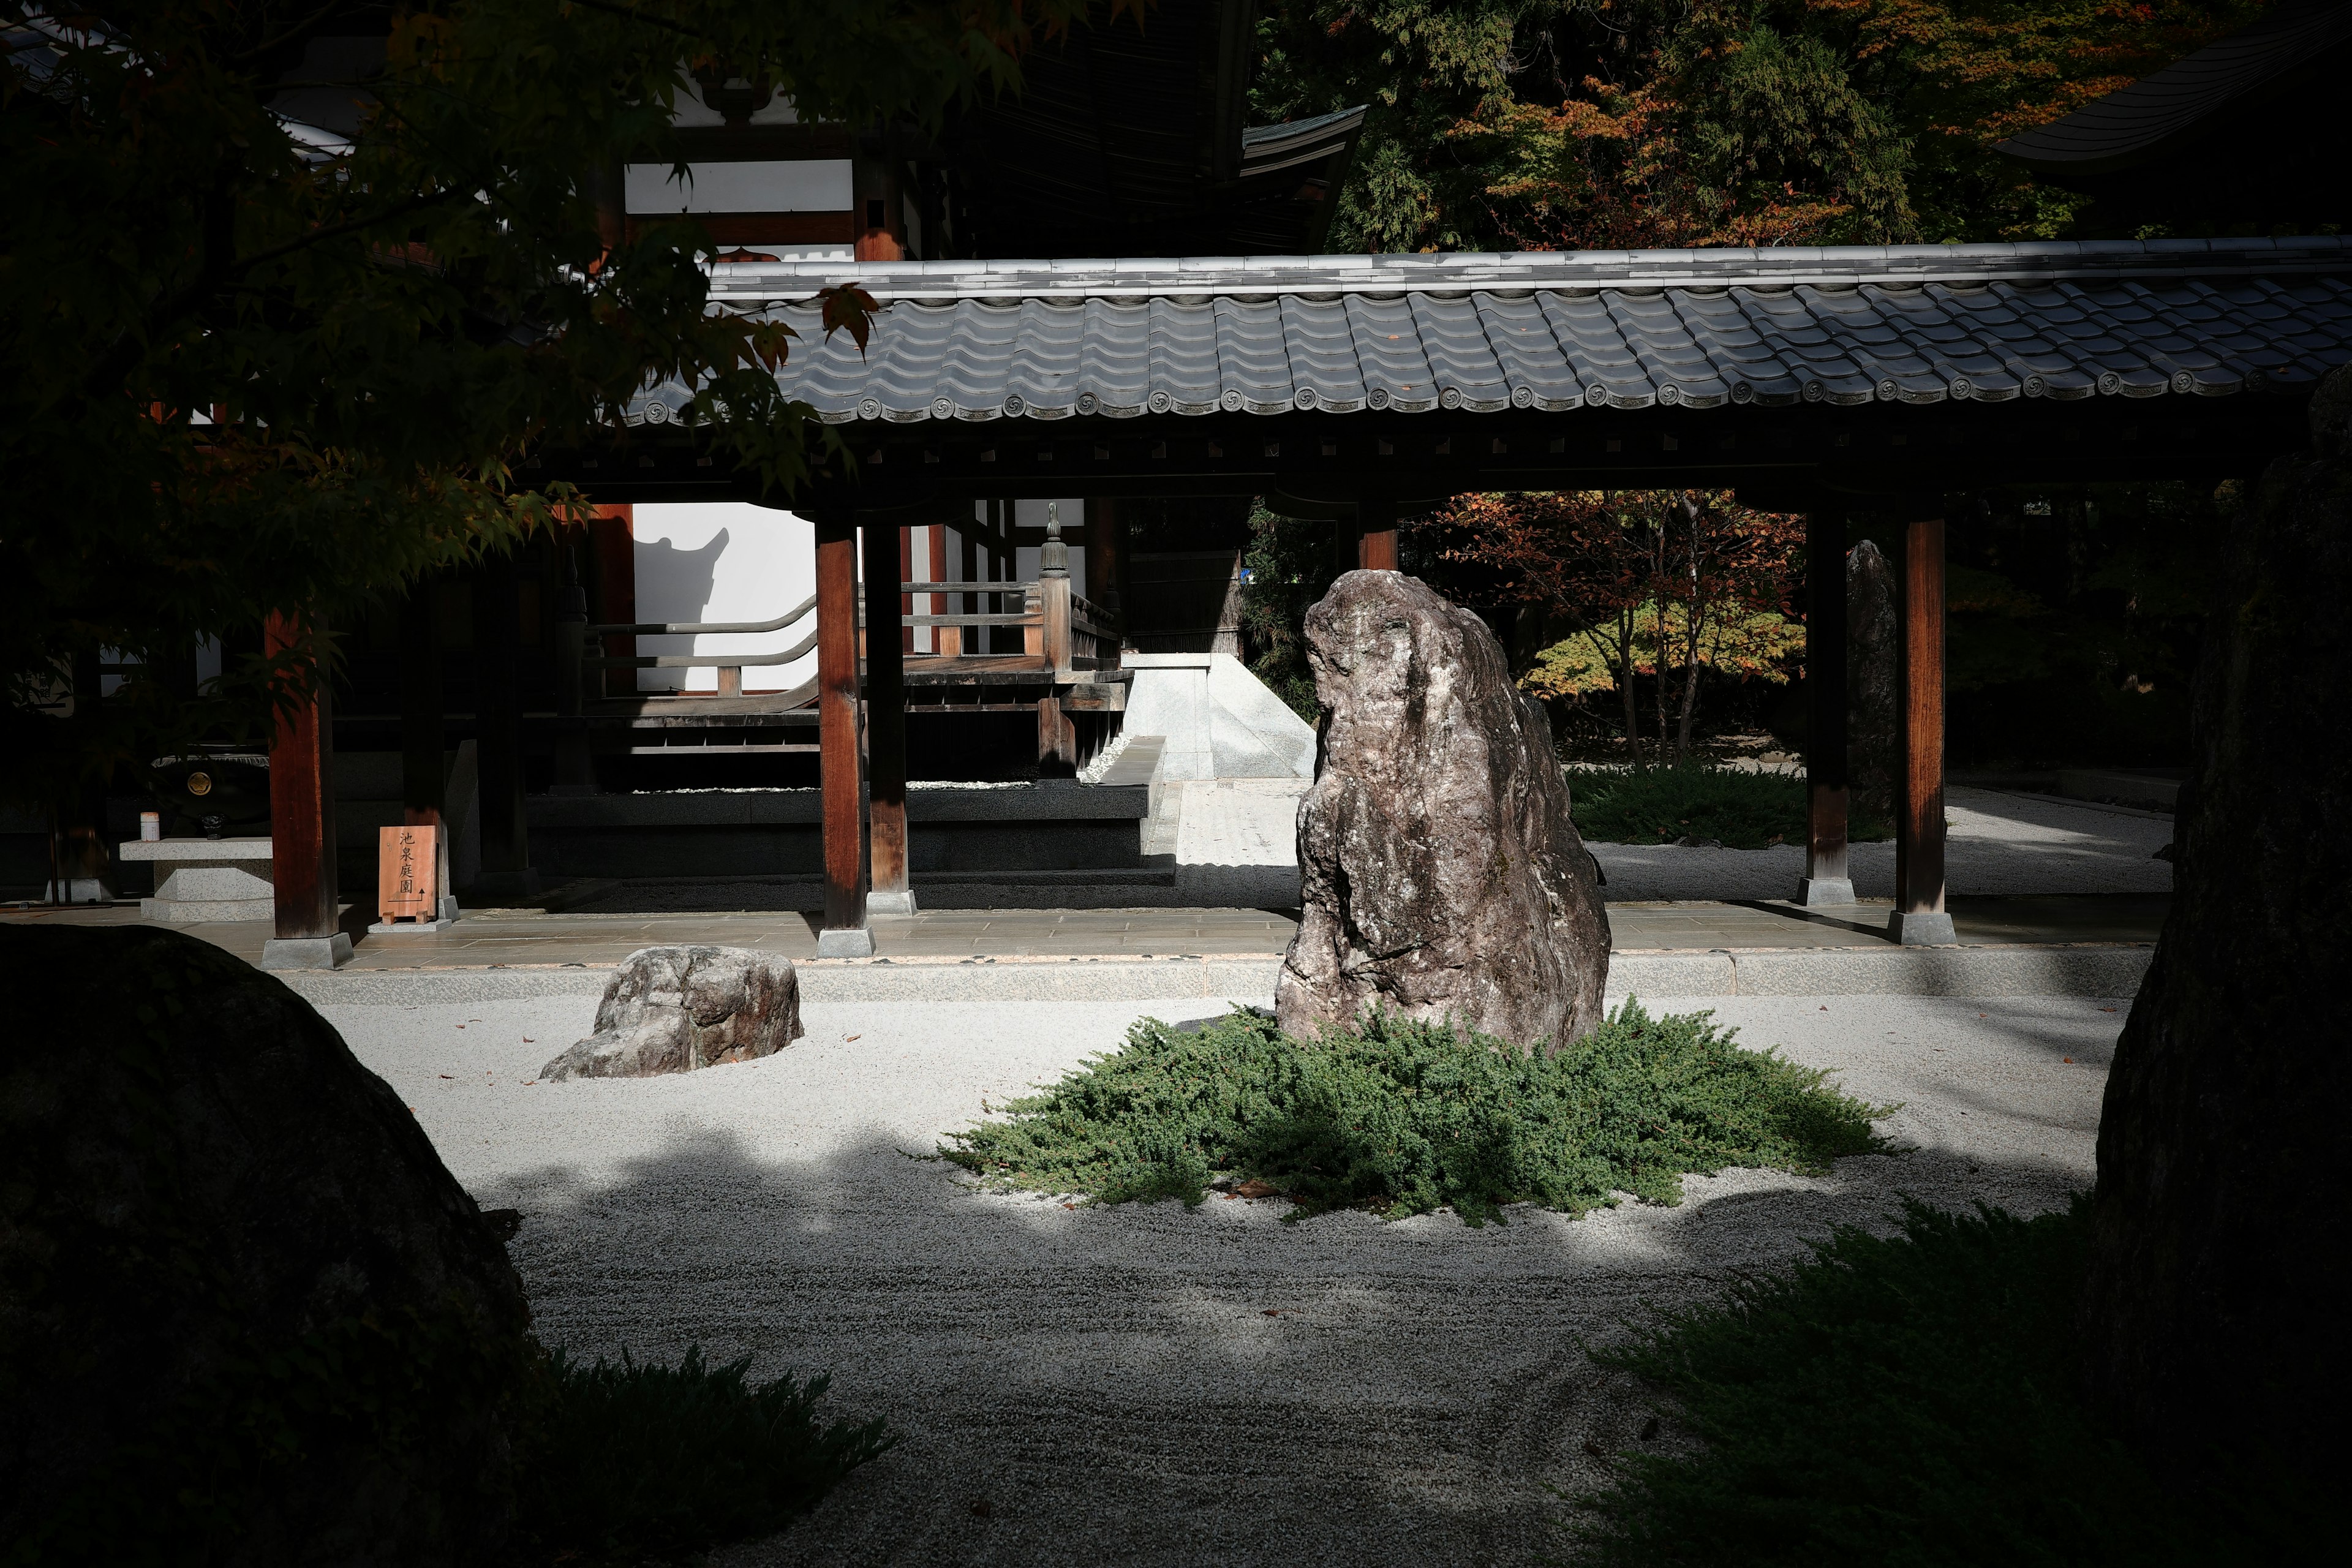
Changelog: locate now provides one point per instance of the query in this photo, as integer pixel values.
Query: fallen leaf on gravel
(528, 1041)
(1650, 1429)
(981, 1508)
(1273, 1312)
(445, 1075)
(2065, 1059)
(846, 1038)
(1595, 1449)
(1254, 1188)
(2107, 1009)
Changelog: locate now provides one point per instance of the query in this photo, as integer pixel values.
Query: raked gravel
(1159, 1385)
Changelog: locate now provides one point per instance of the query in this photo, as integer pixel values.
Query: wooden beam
(1829, 876)
(302, 813)
(845, 933)
(886, 550)
(1376, 530)
(1919, 918)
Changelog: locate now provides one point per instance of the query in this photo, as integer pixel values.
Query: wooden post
(1919, 918)
(303, 817)
(81, 858)
(1376, 529)
(422, 785)
(1347, 545)
(1829, 879)
(1107, 567)
(845, 934)
(611, 535)
(575, 771)
(946, 642)
(498, 743)
(886, 718)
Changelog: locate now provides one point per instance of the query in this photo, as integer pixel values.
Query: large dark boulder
(674, 1009)
(1873, 717)
(1439, 873)
(2221, 1221)
(245, 1314)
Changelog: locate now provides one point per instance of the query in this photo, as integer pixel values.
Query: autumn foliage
(1563, 124)
(1637, 593)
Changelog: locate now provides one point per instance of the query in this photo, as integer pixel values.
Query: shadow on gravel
(1159, 1385)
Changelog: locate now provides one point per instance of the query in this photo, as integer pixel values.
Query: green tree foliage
(1509, 124)
(249, 370)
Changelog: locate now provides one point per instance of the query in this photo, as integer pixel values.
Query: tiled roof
(1702, 329)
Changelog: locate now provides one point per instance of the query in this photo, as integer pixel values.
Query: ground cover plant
(631, 1462)
(1658, 805)
(1404, 1116)
(1912, 1399)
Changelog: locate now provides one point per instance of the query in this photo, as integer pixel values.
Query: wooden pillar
(611, 539)
(1829, 879)
(81, 859)
(576, 770)
(422, 742)
(1107, 558)
(1347, 545)
(302, 814)
(886, 719)
(845, 934)
(497, 740)
(1919, 918)
(936, 533)
(1376, 534)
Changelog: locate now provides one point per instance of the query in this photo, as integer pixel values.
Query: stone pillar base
(78, 890)
(899, 903)
(1922, 929)
(845, 941)
(409, 927)
(1817, 892)
(306, 952)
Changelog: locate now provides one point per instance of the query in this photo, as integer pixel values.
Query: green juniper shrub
(1908, 1400)
(1658, 805)
(1403, 1116)
(631, 1462)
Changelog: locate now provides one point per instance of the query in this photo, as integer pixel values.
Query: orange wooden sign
(405, 869)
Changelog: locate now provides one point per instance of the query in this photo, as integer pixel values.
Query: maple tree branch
(115, 362)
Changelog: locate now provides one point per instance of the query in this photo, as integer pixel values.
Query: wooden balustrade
(1060, 632)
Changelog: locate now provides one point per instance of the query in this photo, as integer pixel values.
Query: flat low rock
(674, 1009)
(1440, 874)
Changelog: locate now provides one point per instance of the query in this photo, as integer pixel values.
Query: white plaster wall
(723, 562)
(735, 562)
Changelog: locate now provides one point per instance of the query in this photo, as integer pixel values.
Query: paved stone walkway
(522, 938)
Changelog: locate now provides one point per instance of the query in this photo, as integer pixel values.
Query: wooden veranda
(1369, 387)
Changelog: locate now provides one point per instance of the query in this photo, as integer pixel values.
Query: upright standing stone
(1441, 874)
(1874, 678)
(2214, 1305)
